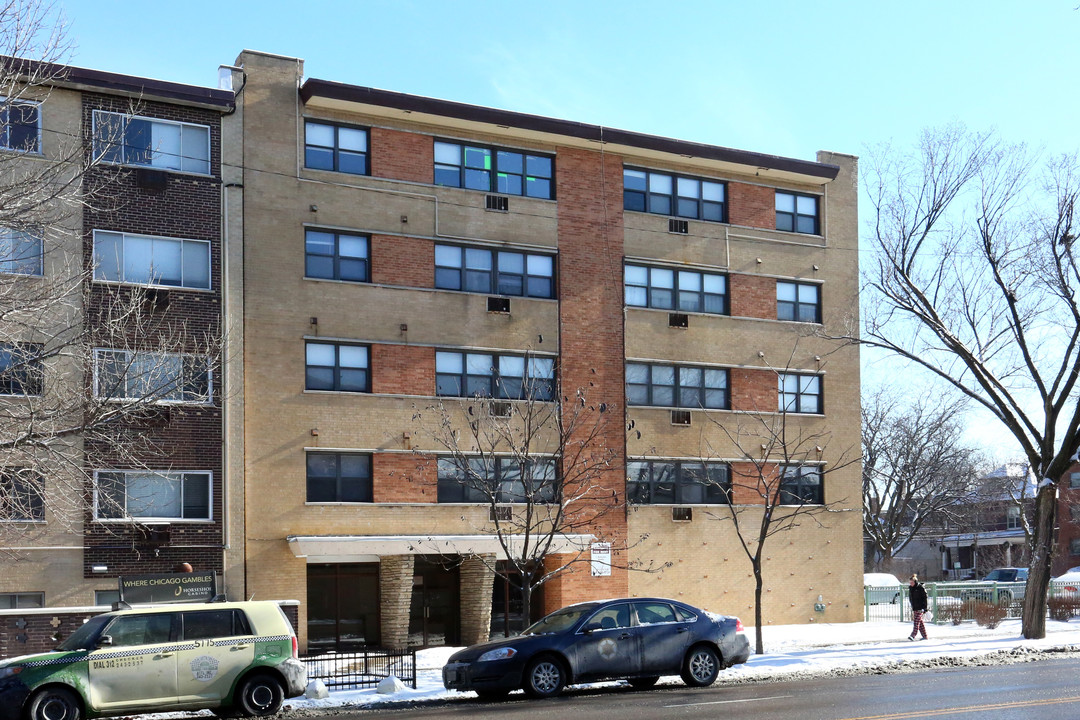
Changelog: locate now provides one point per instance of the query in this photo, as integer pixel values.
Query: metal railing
(950, 600)
(362, 668)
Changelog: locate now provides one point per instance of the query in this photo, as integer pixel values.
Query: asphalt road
(1046, 689)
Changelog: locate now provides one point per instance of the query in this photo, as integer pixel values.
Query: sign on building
(168, 588)
(601, 559)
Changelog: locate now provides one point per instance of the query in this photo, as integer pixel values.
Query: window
(1074, 480)
(19, 601)
(801, 485)
(681, 386)
(515, 377)
(682, 290)
(147, 260)
(166, 144)
(797, 213)
(143, 494)
(21, 496)
(500, 272)
(21, 371)
(1074, 546)
(669, 482)
(331, 366)
(335, 147)
(490, 169)
(159, 377)
(149, 629)
(501, 480)
(339, 477)
(798, 302)
(20, 126)
(21, 252)
(1012, 519)
(800, 393)
(206, 624)
(667, 194)
(336, 256)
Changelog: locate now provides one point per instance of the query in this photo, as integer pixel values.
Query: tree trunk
(758, 582)
(1038, 583)
(526, 600)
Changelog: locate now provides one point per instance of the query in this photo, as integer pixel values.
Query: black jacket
(917, 593)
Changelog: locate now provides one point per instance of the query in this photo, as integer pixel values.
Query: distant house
(1068, 543)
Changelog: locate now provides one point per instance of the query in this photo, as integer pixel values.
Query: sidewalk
(791, 651)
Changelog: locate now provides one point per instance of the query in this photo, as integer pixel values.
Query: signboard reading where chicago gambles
(168, 587)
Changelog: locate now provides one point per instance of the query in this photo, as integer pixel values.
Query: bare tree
(539, 464)
(92, 374)
(917, 471)
(777, 485)
(976, 281)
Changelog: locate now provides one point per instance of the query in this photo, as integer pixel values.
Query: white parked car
(882, 588)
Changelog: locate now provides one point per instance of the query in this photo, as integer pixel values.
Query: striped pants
(919, 627)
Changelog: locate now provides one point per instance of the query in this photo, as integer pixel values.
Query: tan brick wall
(476, 582)
(402, 155)
(403, 369)
(402, 261)
(752, 205)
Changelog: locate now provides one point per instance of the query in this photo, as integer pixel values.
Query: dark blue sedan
(637, 639)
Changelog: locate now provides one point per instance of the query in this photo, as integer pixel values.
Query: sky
(782, 77)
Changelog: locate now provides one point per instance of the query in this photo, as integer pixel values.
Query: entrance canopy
(369, 548)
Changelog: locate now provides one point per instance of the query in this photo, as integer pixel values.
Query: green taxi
(234, 658)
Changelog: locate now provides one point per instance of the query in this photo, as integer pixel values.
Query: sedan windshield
(86, 636)
(558, 622)
(1000, 575)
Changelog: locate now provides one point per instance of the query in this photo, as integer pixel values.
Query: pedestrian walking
(917, 597)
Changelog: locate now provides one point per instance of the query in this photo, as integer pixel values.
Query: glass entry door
(435, 612)
(343, 606)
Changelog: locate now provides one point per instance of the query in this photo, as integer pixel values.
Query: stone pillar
(476, 582)
(395, 598)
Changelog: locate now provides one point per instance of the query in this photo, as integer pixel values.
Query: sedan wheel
(701, 667)
(54, 704)
(544, 678)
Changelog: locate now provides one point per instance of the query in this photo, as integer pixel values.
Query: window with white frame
(1012, 519)
(337, 366)
(21, 369)
(20, 126)
(798, 302)
(491, 479)
(21, 497)
(22, 600)
(21, 251)
(151, 260)
(797, 213)
(679, 386)
(501, 272)
(801, 485)
(800, 393)
(152, 495)
(151, 376)
(494, 375)
(151, 142)
(670, 289)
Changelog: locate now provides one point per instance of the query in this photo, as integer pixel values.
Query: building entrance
(435, 612)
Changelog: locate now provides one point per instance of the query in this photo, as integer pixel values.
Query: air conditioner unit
(500, 408)
(500, 513)
(156, 299)
(678, 320)
(499, 305)
(678, 226)
(680, 417)
(150, 179)
(682, 514)
(498, 203)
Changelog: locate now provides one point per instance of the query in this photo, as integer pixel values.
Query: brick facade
(752, 296)
(402, 261)
(754, 390)
(752, 205)
(402, 156)
(403, 369)
(403, 477)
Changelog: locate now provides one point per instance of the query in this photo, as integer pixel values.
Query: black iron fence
(362, 668)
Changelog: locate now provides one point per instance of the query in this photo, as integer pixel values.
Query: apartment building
(1068, 544)
(111, 337)
(385, 251)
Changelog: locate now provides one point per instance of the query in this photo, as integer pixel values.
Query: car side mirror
(105, 641)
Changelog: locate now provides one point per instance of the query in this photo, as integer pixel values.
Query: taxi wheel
(261, 694)
(55, 704)
(544, 677)
(701, 666)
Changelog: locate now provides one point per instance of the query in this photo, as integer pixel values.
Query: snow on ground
(791, 651)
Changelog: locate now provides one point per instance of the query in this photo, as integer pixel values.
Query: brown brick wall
(1069, 529)
(752, 296)
(753, 390)
(402, 478)
(752, 206)
(591, 331)
(402, 156)
(402, 261)
(745, 484)
(403, 369)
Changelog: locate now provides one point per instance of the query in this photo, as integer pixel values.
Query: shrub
(953, 612)
(990, 615)
(1063, 607)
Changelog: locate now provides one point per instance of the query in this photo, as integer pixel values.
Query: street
(1045, 689)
